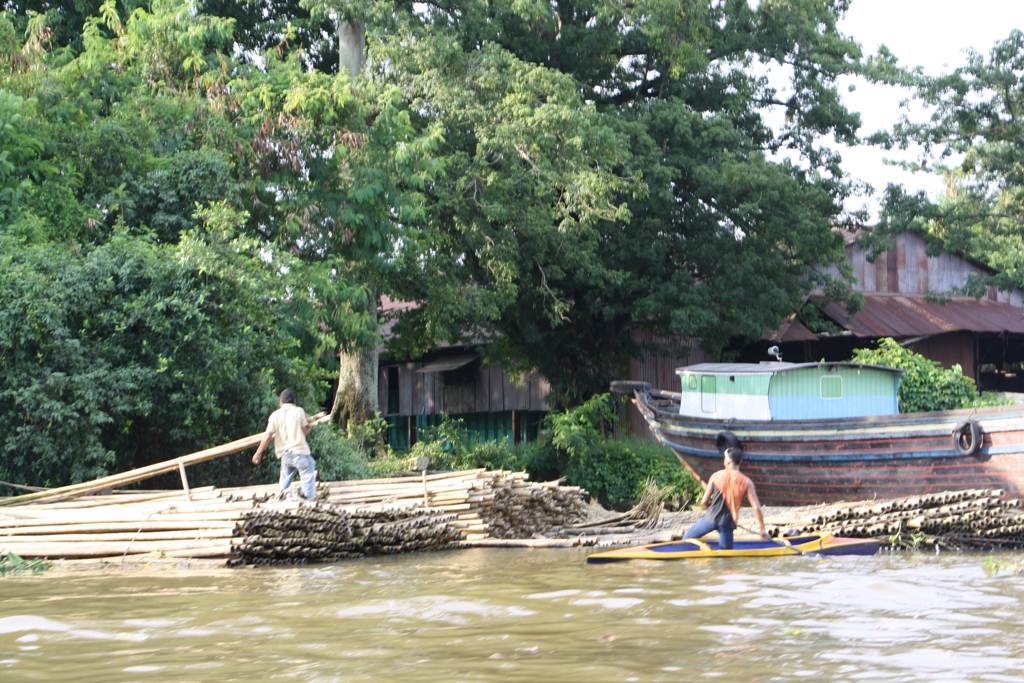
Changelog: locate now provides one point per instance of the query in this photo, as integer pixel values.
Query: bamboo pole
(94, 549)
(88, 528)
(177, 535)
(132, 476)
(184, 479)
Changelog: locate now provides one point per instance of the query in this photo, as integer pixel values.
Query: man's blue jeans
(704, 527)
(306, 468)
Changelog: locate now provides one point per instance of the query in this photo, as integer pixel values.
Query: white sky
(932, 34)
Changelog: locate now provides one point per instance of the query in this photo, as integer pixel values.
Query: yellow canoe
(691, 549)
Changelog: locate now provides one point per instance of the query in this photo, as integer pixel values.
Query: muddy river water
(522, 615)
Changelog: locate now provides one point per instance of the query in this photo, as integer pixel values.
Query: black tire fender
(622, 386)
(727, 440)
(967, 437)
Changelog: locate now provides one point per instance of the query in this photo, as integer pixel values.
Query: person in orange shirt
(723, 498)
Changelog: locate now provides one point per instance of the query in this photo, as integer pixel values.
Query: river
(521, 615)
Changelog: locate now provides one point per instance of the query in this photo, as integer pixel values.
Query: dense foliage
(183, 229)
(609, 167)
(973, 140)
(579, 447)
(926, 385)
(133, 352)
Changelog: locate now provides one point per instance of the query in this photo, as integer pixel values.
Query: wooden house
(413, 395)
(491, 404)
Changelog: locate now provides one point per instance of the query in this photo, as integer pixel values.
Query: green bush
(926, 385)
(618, 472)
(337, 456)
(613, 471)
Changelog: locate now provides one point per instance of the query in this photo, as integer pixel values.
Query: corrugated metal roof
(791, 331)
(887, 315)
(770, 367)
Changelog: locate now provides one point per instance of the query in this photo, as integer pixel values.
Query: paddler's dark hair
(735, 455)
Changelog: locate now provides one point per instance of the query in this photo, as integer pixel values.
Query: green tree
(972, 139)
(610, 167)
(187, 118)
(133, 352)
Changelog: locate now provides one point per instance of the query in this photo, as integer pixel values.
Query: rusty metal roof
(790, 331)
(894, 315)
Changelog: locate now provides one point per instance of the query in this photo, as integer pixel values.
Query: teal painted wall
(747, 385)
(816, 393)
(481, 426)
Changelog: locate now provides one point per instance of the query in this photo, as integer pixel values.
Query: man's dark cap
(287, 396)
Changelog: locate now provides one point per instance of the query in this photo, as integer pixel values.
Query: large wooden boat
(824, 432)
(694, 549)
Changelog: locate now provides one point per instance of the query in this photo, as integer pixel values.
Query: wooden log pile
(521, 509)
(124, 526)
(287, 532)
(978, 518)
(253, 526)
(486, 504)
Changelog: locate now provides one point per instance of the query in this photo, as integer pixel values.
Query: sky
(933, 34)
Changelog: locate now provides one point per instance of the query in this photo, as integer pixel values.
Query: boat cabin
(787, 391)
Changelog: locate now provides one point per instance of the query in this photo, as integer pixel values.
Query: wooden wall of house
(659, 370)
(951, 349)
(425, 393)
(908, 269)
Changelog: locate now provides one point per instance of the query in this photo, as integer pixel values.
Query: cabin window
(708, 389)
(831, 387)
(693, 382)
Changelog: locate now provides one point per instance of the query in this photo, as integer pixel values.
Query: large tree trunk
(352, 47)
(356, 397)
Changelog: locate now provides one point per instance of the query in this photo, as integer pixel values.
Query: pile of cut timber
(124, 526)
(487, 504)
(979, 518)
(251, 526)
(283, 533)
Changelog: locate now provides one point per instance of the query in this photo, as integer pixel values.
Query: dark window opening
(394, 402)
(460, 376)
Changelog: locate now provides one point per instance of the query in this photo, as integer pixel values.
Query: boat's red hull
(809, 462)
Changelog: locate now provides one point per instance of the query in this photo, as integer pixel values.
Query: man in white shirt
(288, 426)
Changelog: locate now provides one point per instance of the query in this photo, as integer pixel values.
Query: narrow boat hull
(805, 462)
(824, 544)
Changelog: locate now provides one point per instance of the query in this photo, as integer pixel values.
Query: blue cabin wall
(810, 393)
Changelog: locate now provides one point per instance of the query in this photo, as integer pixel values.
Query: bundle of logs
(283, 533)
(252, 526)
(979, 518)
(486, 504)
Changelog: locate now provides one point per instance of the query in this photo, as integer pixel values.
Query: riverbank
(252, 526)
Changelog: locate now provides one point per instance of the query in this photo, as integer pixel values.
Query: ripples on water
(521, 615)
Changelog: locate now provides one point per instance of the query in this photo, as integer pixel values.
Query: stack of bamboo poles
(294, 533)
(124, 526)
(486, 504)
(979, 518)
(252, 525)
(237, 529)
